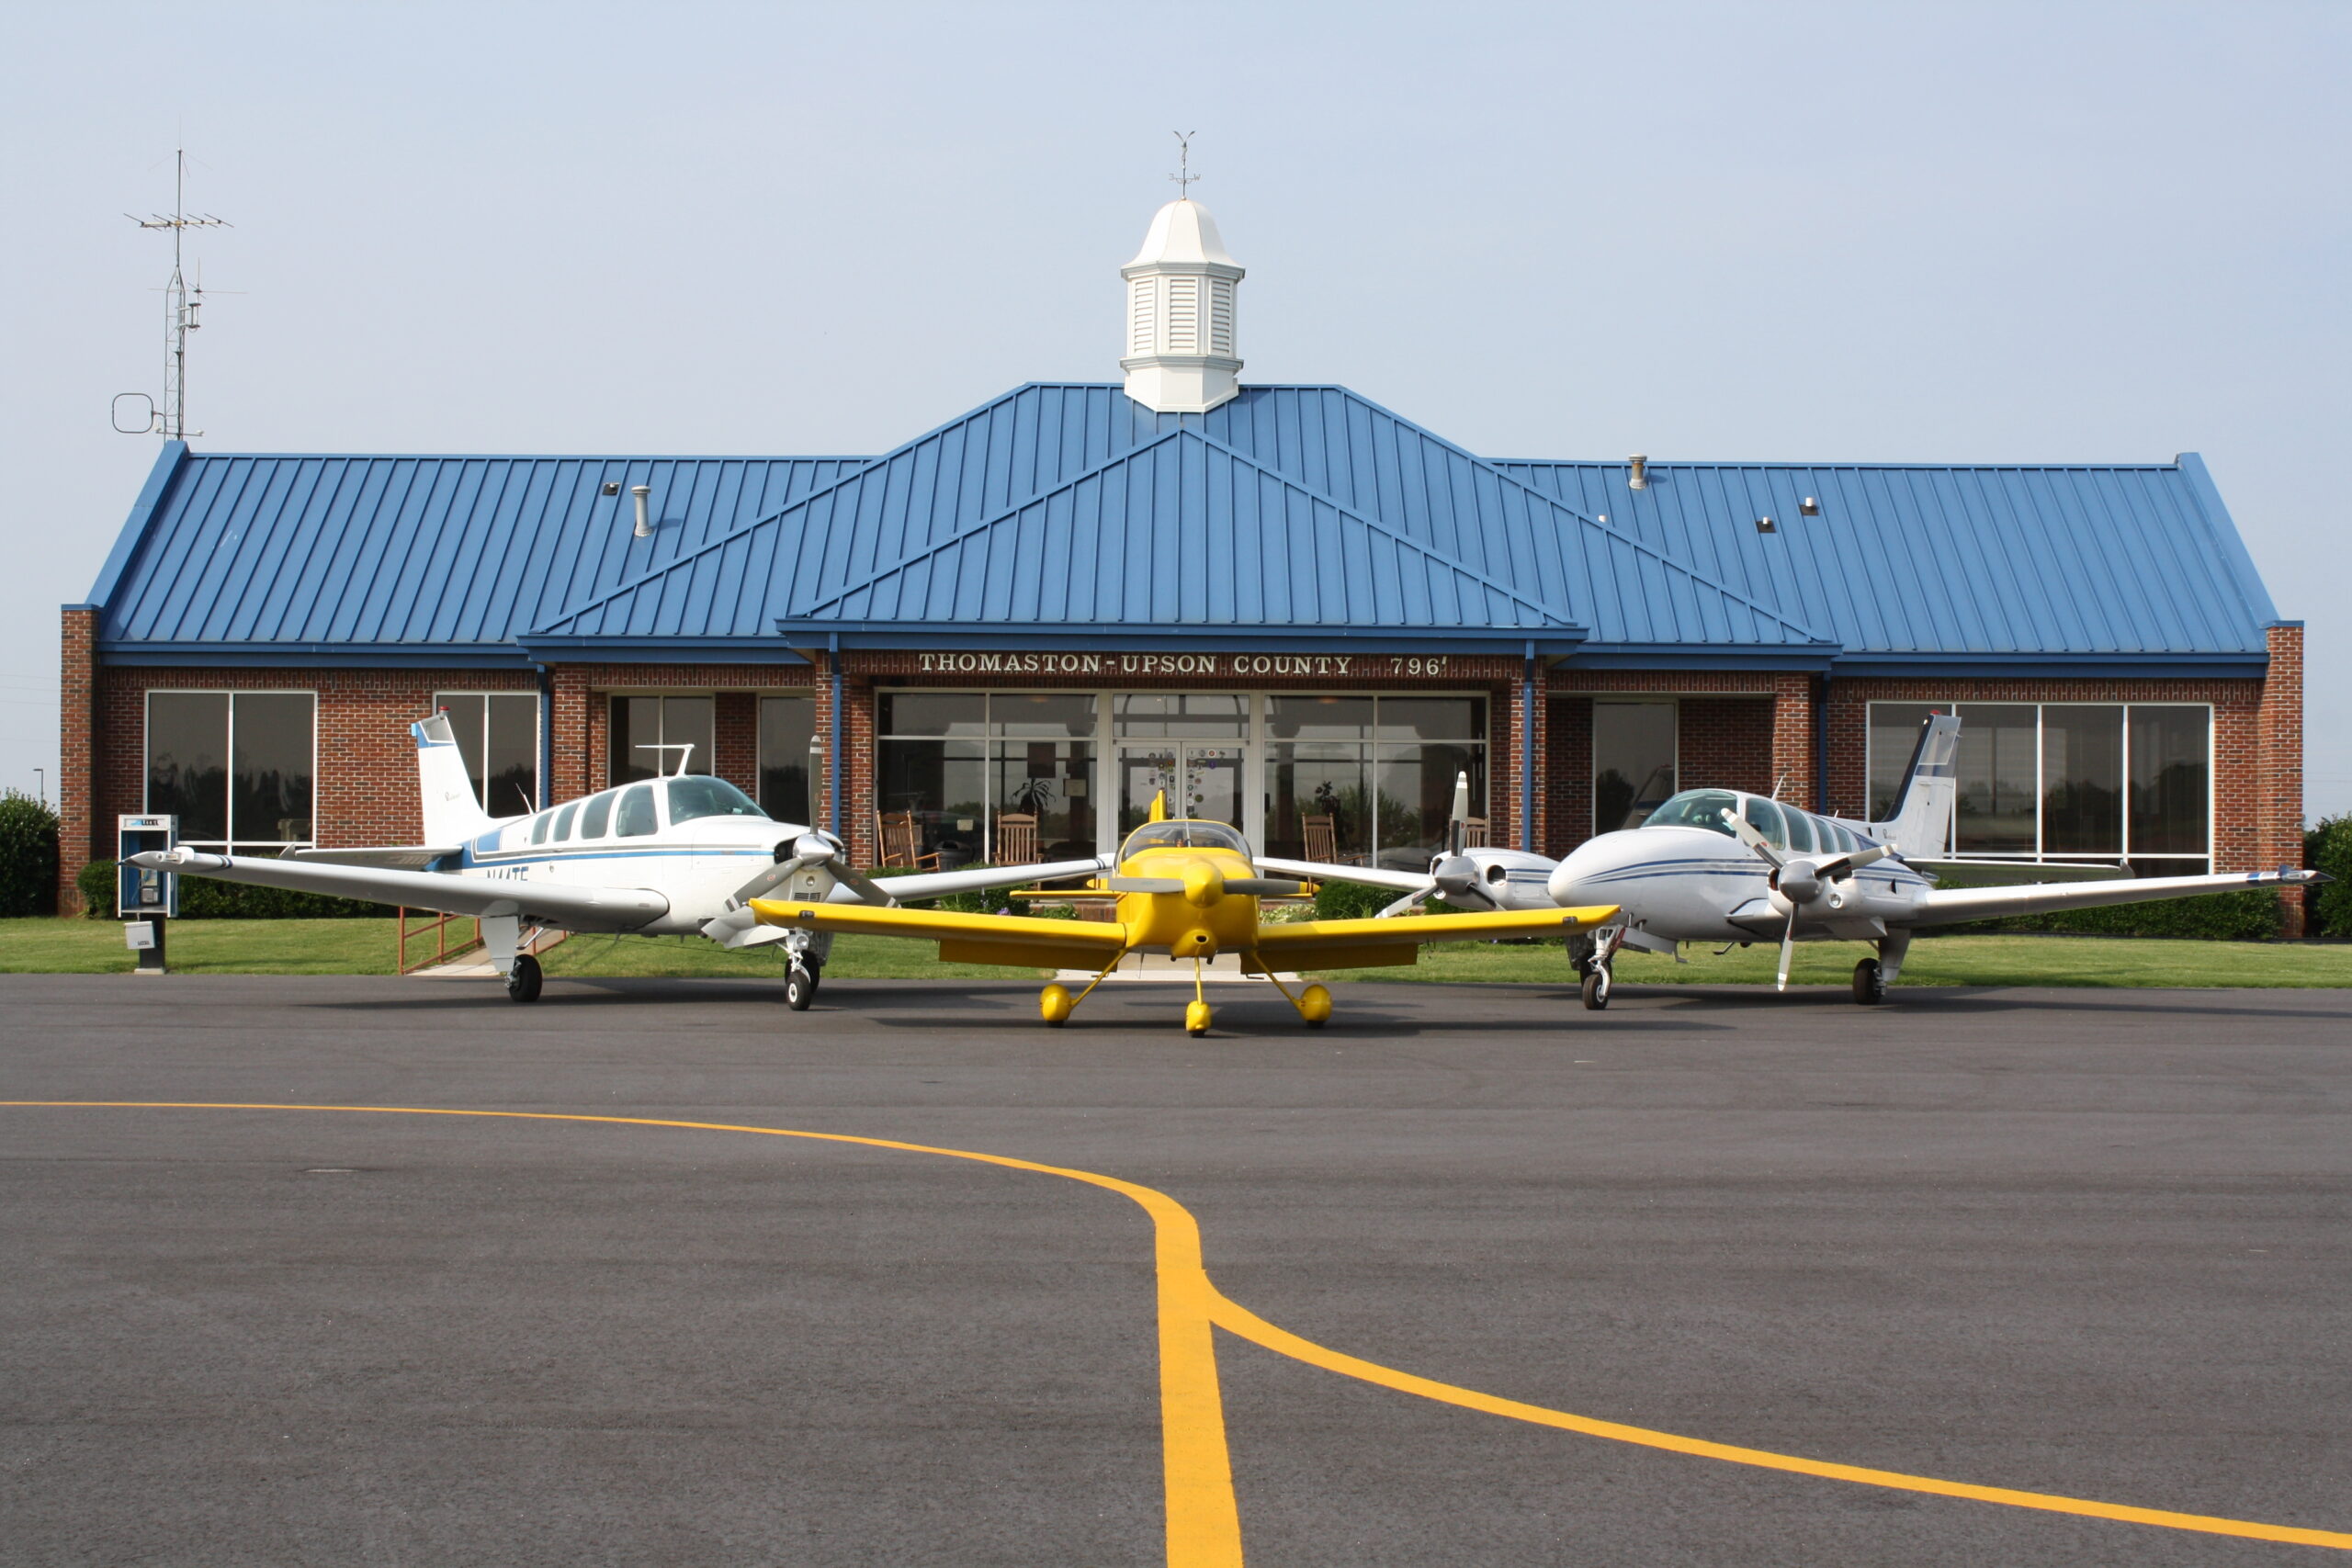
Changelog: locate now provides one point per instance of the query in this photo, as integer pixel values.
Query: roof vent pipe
(644, 520)
(1640, 479)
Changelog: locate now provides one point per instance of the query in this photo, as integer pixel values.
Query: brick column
(1567, 772)
(567, 732)
(736, 739)
(1793, 738)
(2279, 765)
(77, 752)
(858, 763)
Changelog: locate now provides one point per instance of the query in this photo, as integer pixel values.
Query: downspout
(1527, 753)
(1821, 746)
(547, 734)
(833, 768)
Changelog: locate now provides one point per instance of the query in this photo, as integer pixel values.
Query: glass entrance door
(1202, 781)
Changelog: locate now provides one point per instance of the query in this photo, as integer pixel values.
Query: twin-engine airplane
(1719, 865)
(1186, 889)
(665, 856)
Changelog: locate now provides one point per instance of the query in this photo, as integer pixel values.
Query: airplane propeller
(1801, 879)
(1454, 873)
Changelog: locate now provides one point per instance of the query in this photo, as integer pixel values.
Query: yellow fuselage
(1198, 922)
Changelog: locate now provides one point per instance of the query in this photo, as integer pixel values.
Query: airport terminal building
(1287, 605)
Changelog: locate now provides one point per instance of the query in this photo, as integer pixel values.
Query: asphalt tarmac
(2085, 1243)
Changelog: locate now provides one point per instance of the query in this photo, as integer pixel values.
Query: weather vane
(1185, 177)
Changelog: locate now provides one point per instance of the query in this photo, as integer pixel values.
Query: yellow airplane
(1189, 889)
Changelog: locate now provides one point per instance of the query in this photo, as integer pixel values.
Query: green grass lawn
(364, 947)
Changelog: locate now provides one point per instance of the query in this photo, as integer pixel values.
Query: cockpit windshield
(1184, 835)
(1697, 808)
(699, 795)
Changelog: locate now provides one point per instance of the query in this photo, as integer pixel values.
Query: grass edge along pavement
(66, 945)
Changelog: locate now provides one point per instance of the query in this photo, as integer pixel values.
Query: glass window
(941, 714)
(2082, 779)
(1181, 715)
(694, 798)
(654, 737)
(1632, 763)
(1999, 768)
(786, 726)
(1696, 808)
(539, 826)
(2171, 780)
(563, 822)
(1894, 741)
(945, 784)
(1320, 718)
(187, 762)
(1319, 779)
(1765, 817)
(592, 819)
(1049, 780)
(634, 818)
(498, 736)
(1040, 714)
(1433, 718)
(1413, 799)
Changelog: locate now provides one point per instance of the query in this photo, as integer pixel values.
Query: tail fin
(453, 812)
(1920, 823)
(1158, 808)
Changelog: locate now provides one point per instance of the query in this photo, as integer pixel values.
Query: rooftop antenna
(180, 306)
(1184, 177)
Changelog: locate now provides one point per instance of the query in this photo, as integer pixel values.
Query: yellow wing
(1019, 942)
(1352, 944)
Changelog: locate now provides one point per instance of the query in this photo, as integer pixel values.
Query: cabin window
(1800, 831)
(635, 818)
(1696, 808)
(595, 815)
(1765, 817)
(960, 761)
(498, 734)
(655, 737)
(237, 768)
(787, 770)
(563, 822)
(691, 798)
(539, 826)
(2124, 783)
(1632, 762)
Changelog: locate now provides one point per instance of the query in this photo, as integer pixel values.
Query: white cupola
(1180, 356)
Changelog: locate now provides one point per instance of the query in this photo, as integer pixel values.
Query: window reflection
(1632, 763)
(234, 767)
(786, 725)
(654, 737)
(1999, 770)
(498, 736)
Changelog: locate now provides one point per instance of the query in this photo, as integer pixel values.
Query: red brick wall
(1730, 743)
(1567, 774)
(2279, 765)
(78, 757)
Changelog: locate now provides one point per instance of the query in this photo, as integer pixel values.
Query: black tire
(799, 989)
(523, 981)
(1596, 989)
(1869, 983)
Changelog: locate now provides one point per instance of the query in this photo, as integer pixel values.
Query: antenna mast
(180, 306)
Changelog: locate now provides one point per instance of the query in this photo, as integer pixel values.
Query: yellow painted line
(1204, 1524)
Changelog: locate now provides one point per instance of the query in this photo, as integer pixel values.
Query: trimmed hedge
(2329, 846)
(2248, 916)
(27, 855)
(203, 898)
(984, 901)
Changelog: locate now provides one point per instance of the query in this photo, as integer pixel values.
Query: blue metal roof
(1290, 516)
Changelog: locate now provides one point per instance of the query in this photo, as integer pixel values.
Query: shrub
(1350, 900)
(27, 855)
(2328, 848)
(96, 883)
(2248, 916)
(203, 898)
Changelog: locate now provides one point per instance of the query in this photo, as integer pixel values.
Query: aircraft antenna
(180, 307)
(1184, 177)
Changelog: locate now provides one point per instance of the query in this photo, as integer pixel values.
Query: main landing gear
(1870, 981)
(523, 981)
(800, 984)
(1055, 1003)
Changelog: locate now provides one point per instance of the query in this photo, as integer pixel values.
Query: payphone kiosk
(147, 900)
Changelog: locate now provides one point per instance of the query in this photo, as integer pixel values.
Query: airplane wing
(1370, 875)
(1949, 906)
(1351, 944)
(581, 908)
(400, 857)
(1020, 942)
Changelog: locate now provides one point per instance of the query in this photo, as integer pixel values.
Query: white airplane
(673, 855)
(1720, 865)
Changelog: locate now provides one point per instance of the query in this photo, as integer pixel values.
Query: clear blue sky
(2080, 232)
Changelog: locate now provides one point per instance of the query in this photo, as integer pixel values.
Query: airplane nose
(1569, 881)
